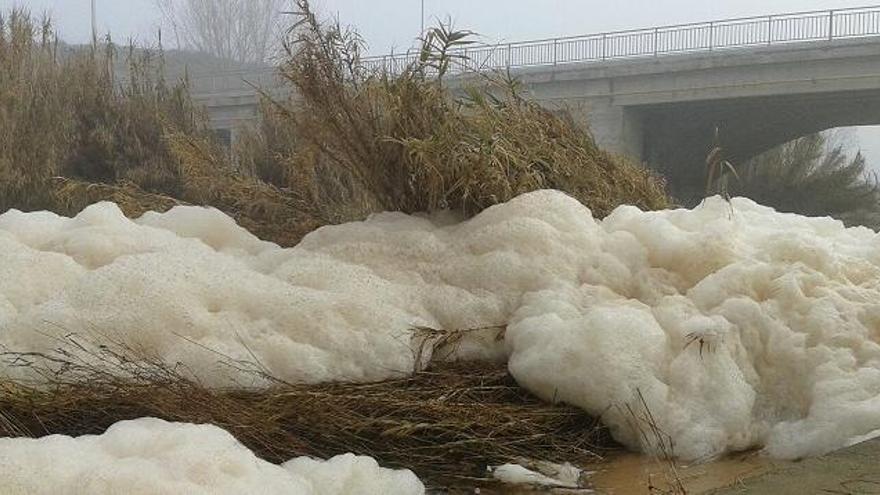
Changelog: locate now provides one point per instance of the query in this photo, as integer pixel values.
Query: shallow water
(630, 474)
(633, 474)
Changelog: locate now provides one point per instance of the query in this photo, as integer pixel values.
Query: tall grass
(72, 132)
(349, 142)
(375, 140)
(67, 114)
(31, 130)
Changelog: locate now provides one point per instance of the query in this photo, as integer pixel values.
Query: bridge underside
(664, 111)
(677, 137)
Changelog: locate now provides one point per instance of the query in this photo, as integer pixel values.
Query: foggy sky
(387, 24)
(395, 23)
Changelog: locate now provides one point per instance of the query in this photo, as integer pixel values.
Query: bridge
(659, 94)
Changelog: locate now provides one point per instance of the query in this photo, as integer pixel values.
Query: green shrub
(809, 177)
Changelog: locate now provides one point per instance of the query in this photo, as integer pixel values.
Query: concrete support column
(617, 129)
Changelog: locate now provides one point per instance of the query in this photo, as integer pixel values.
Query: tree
(813, 176)
(239, 31)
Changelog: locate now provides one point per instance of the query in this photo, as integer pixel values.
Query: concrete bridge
(659, 94)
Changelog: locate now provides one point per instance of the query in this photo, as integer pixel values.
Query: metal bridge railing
(683, 38)
(743, 32)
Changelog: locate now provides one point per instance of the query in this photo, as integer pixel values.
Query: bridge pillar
(616, 128)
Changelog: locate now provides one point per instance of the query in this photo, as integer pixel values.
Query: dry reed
(403, 141)
(446, 423)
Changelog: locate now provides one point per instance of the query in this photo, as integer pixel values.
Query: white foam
(541, 474)
(783, 310)
(351, 474)
(154, 457)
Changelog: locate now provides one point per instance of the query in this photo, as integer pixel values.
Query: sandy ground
(851, 471)
(632, 474)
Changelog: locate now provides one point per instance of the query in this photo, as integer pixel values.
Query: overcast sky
(395, 23)
(387, 24)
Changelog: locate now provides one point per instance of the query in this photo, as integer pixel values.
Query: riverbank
(852, 470)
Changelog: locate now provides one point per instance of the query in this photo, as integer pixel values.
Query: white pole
(94, 25)
(423, 17)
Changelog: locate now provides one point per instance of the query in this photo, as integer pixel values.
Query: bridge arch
(678, 137)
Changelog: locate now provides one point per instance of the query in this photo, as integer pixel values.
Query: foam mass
(738, 326)
(153, 457)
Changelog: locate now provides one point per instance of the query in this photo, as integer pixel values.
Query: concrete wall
(230, 112)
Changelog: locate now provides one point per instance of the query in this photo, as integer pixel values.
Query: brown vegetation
(350, 143)
(446, 423)
(73, 133)
(409, 141)
(64, 114)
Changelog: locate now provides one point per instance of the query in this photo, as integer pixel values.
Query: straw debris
(446, 423)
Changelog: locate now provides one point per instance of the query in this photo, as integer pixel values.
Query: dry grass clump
(282, 216)
(267, 149)
(64, 112)
(403, 141)
(446, 423)
(72, 196)
(349, 141)
(73, 133)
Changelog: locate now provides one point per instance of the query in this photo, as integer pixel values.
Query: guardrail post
(769, 29)
(604, 51)
(830, 25)
(554, 51)
(656, 38)
(509, 50)
(711, 35)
